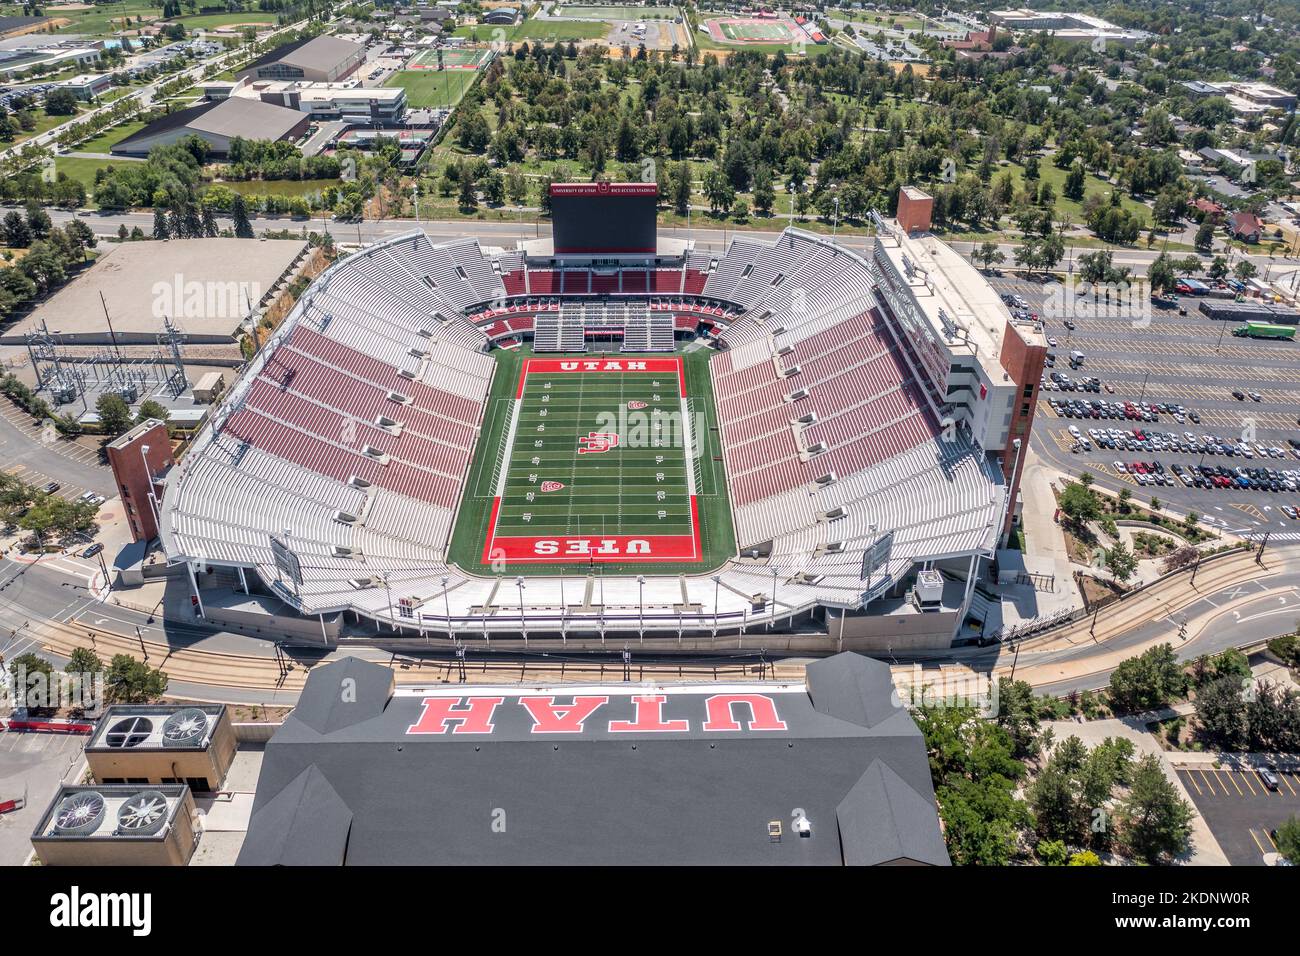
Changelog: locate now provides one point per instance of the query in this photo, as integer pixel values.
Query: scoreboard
(611, 218)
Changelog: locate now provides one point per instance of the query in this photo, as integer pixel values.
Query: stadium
(606, 435)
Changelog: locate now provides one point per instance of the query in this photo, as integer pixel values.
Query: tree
(1120, 562)
(1288, 840)
(1155, 823)
(1079, 504)
(1018, 715)
(975, 776)
(33, 680)
(1204, 240)
(988, 255)
(1244, 270)
(128, 681)
(1150, 680)
(1075, 180)
(83, 660)
(15, 232)
(239, 213)
(1221, 718)
(1161, 275)
(114, 413)
(60, 102)
(1084, 858)
(160, 229)
(150, 409)
(681, 186)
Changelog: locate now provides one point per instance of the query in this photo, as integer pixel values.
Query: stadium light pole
(389, 592)
(523, 623)
(717, 583)
(835, 228)
(640, 585)
(772, 625)
(446, 603)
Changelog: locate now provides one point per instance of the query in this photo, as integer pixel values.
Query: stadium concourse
(870, 414)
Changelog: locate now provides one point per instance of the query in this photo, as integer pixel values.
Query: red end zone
(570, 549)
(662, 366)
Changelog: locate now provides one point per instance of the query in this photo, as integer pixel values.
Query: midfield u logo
(596, 443)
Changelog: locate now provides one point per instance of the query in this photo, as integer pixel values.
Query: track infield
(742, 30)
(598, 466)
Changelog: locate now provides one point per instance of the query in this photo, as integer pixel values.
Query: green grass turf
(613, 493)
(632, 489)
(616, 12)
(432, 88)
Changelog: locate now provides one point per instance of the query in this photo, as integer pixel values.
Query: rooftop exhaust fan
(129, 732)
(79, 814)
(143, 814)
(185, 728)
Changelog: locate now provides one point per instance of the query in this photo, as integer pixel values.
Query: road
(144, 95)
(507, 233)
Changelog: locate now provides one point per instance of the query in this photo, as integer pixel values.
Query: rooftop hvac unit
(128, 732)
(383, 421)
(808, 419)
(79, 814)
(797, 394)
(362, 584)
(816, 448)
(378, 454)
(836, 513)
(929, 589)
(399, 398)
(793, 370)
(406, 372)
(345, 516)
(142, 814)
(835, 547)
(185, 728)
(415, 352)
(785, 350)
(827, 479)
(356, 481)
(342, 551)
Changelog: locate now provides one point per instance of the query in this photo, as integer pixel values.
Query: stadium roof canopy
(673, 774)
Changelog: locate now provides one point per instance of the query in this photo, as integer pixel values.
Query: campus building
(324, 59)
(828, 771)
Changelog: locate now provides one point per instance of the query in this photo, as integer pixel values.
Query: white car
(1121, 467)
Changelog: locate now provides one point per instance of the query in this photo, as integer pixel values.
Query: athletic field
(615, 12)
(598, 465)
(751, 31)
(589, 462)
(452, 59)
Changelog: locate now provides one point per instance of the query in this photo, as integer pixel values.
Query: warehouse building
(217, 124)
(828, 771)
(323, 59)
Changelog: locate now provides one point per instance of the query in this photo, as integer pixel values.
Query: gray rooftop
(361, 774)
(195, 281)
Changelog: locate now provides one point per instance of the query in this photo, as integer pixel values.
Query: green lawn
(83, 170)
(616, 12)
(209, 21)
(548, 31)
(616, 492)
(279, 187)
(1049, 173)
(110, 137)
(44, 123)
(433, 88)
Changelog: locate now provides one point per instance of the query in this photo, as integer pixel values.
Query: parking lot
(1178, 373)
(1241, 811)
(31, 765)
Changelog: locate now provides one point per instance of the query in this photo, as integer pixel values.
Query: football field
(596, 465)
